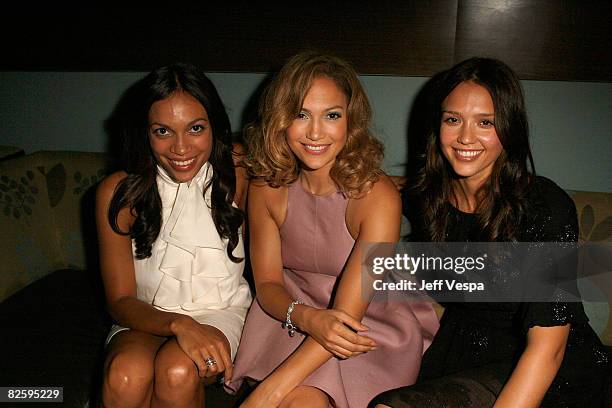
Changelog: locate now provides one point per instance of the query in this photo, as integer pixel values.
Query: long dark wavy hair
(138, 191)
(502, 199)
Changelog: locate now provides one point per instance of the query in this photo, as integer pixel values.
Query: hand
(332, 330)
(201, 341)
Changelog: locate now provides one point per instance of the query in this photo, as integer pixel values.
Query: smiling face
(319, 132)
(180, 135)
(468, 138)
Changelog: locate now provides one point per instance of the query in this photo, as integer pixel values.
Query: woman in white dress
(171, 251)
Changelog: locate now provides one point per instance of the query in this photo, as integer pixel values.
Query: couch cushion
(595, 218)
(53, 335)
(29, 245)
(72, 178)
(47, 206)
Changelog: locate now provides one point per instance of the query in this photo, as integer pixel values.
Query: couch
(52, 303)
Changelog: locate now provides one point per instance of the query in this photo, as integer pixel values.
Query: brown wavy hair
(502, 199)
(357, 166)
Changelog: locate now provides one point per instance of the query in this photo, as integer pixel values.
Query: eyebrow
(189, 124)
(327, 109)
(459, 113)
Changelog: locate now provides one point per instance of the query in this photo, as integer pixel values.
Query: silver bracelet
(288, 324)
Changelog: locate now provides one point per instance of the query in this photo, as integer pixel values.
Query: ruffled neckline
(194, 258)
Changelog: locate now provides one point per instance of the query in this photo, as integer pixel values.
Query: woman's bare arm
(536, 369)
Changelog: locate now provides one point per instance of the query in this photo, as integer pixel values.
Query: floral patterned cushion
(44, 214)
(595, 218)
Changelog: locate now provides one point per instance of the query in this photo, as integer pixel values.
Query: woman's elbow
(558, 355)
(116, 306)
(549, 343)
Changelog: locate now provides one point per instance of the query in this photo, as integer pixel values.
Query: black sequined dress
(478, 344)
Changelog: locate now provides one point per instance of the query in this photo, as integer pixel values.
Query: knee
(176, 380)
(312, 400)
(318, 403)
(177, 375)
(127, 378)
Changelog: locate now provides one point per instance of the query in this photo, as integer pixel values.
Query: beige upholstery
(41, 215)
(595, 219)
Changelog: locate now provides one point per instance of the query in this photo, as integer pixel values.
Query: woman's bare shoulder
(263, 189)
(383, 191)
(381, 205)
(272, 200)
(104, 196)
(107, 186)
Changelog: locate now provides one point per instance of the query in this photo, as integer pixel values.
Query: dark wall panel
(406, 37)
(544, 39)
(397, 38)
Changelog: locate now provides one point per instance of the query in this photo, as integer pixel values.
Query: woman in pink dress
(313, 338)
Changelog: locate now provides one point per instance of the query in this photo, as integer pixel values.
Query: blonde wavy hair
(357, 166)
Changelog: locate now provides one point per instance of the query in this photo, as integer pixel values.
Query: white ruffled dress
(189, 271)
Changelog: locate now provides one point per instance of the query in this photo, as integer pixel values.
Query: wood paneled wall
(544, 39)
(540, 39)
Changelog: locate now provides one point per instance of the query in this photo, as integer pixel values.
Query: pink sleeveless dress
(315, 245)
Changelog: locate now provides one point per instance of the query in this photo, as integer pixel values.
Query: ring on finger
(210, 361)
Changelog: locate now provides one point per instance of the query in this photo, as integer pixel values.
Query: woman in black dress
(476, 185)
